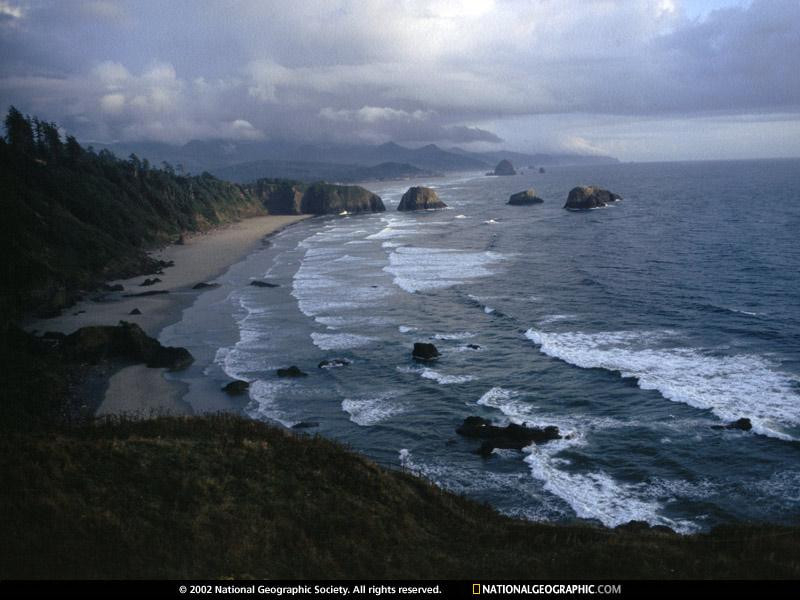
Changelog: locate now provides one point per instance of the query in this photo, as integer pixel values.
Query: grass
(222, 496)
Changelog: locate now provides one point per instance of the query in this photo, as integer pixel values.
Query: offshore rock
(420, 198)
(524, 198)
(588, 197)
(424, 351)
(512, 436)
(504, 167)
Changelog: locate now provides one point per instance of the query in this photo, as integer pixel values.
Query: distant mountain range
(248, 161)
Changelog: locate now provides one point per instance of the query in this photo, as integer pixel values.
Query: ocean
(635, 329)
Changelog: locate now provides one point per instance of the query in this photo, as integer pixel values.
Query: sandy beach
(137, 389)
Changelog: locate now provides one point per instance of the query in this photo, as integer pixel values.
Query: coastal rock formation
(236, 388)
(742, 424)
(329, 199)
(524, 198)
(126, 341)
(135, 311)
(588, 197)
(420, 198)
(305, 425)
(150, 281)
(504, 167)
(512, 436)
(113, 288)
(203, 285)
(294, 198)
(263, 284)
(292, 371)
(424, 351)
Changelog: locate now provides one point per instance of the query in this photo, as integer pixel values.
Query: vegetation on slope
(74, 218)
(222, 496)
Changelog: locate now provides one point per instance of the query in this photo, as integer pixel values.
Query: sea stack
(420, 198)
(524, 198)
(504, 167)
(588, 197)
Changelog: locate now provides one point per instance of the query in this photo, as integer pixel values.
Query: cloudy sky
(638, 79)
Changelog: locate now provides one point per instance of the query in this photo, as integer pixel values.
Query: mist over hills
(250, 160)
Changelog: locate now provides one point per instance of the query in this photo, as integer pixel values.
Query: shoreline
(136, 389)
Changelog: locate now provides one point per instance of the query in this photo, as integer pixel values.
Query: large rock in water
(588, 197)
(424, 351)
(420, 198)
(512, 436)
(294, 198)
(524, 198)
(504, 167)
(327, 199)
(125, 341)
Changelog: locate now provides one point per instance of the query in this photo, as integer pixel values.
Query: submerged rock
(504, 167)
(292, 371)
(135, 311)
(126, 341)
(203, 285)
(150, 281)
(236, 388)
(305, 425)
(420, 198)
(588, 197)
(424, 351)
(513, 436)
(263, 284)
(742, 424)
(524, 198)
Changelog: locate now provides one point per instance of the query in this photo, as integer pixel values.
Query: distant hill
(318, 171)
(248, 161)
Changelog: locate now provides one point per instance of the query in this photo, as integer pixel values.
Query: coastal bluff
(283, 197)
(420, 198)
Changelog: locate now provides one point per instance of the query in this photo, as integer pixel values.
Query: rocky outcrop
(512, 436)
(524, 198)
(329, 199)
(125, 341)
(504, 167)
(424, 351)
(236, 388)
(150, 281)
(263, 284)
(204, 286)
(292, 371)
(588, 197)
(743, 424)
(420, 198)
(294, 198)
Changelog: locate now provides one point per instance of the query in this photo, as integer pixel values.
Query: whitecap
(743, 385)
(368, 411)
(339, 341)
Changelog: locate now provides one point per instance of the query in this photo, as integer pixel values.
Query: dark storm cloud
(376, 70)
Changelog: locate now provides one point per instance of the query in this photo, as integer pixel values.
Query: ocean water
(634, 329)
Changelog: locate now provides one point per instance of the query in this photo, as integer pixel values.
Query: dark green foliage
(221, 496)
(73, 218)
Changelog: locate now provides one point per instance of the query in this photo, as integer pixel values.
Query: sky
(637, 79)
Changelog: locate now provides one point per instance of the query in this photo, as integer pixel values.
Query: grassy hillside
(74, 218)
(213, 497)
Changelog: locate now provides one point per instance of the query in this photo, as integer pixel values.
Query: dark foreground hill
(221, 496)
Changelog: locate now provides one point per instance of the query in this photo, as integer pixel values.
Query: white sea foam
(595, 494)
(460, 217)
(265, 401)
(488, 310)
(440, 378)
(325, 282)
(339, 341)
(462, 335)
(370, 411)
(406, 329)
(743, 385)
(425, 269)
